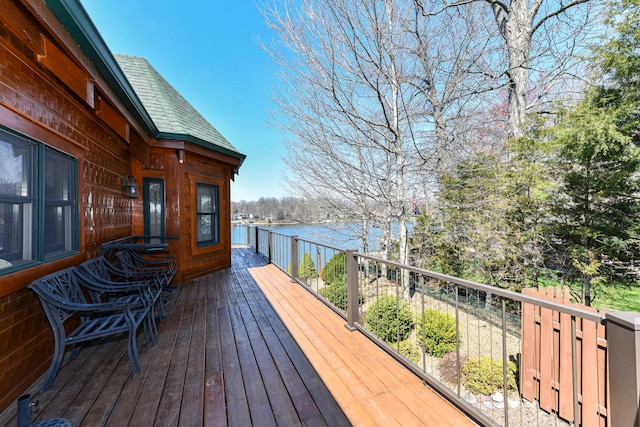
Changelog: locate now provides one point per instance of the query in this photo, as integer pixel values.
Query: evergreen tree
(476, 240)
(596, 210)
(307, 267)
(335, 271)
(528, 182)
(597, 205)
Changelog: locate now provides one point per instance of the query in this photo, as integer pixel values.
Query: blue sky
(209, 51)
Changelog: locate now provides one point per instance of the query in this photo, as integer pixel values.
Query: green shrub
(483, 375)
(436, 332)
(334, 271)
(336, 294)
(409, 351)
(307, 267)
(389, 318)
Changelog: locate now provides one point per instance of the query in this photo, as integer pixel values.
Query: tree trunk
(516, 29)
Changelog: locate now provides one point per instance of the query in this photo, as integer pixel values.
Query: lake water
(338, 234)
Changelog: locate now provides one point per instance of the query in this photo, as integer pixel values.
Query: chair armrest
(67, 305)
(108, 286)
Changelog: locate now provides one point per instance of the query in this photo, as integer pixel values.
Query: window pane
(15, 234)
(154, 208)
(205, 198)
(59, 230)
(16, 160)
(38, 207)
(207, 214)
(17, 157)
(204, 228)
(58, 176)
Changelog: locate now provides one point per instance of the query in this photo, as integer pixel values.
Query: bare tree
(345, 74)
(368, 92)
(542, 39)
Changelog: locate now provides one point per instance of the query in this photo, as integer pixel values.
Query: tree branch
(557, 12)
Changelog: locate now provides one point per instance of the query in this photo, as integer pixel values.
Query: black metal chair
(104, 283)
(62, 297)
(24, 415)
(133, 262)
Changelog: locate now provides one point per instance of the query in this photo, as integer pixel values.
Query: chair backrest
(126, 260)
(56, 291)
(96, 267)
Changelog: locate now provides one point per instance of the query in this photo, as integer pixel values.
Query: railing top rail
(276, 233)
(563, 308)
(559, 307)
(335, 248)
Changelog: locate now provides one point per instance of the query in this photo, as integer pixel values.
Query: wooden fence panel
(528, 369)
(547, 377)
(589, 378)
(603, 377)
(566, 372)
(546, 372)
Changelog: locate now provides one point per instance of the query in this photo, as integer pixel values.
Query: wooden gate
(546, 371)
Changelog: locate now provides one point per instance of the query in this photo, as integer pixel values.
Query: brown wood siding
(44, 98)
(199, 261)
(37, 103)
(180, 180)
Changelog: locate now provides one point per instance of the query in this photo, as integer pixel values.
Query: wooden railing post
(270, 245)
(623, 342)
(248, 235)
(352, 288)
(294, 258)
(257, 243)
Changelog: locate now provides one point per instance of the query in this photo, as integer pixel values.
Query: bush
(448, 367)
(409, 351)
(483, 375)
(334, 271)
(307, 267)
(436, 332)
(389, 318)
(336, 294)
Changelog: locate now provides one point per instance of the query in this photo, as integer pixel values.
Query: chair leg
(160, 308)
(76, 350)
(150, 328)
(134, 359)
(58, 356)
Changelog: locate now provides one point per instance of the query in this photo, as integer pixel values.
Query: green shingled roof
(174, 117)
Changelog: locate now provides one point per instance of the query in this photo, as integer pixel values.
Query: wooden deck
(226, 355)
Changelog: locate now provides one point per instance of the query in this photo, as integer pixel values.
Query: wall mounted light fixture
(130, 187)
(180, 156)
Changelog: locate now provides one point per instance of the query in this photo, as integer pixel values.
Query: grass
(622, 298)
(617, 297)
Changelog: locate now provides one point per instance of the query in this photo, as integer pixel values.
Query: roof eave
(202, 143)
(76, 20)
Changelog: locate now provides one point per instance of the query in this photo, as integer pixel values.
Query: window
(153, 208)
(59, 204)
(207, 219)
(38, 211)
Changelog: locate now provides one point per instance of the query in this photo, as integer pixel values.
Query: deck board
(241, 347)
(371, 387)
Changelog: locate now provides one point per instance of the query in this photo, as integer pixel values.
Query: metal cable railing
(506, 358)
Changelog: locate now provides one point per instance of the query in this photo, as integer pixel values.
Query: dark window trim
(215, 220)
(146, 182)
(37, 199)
